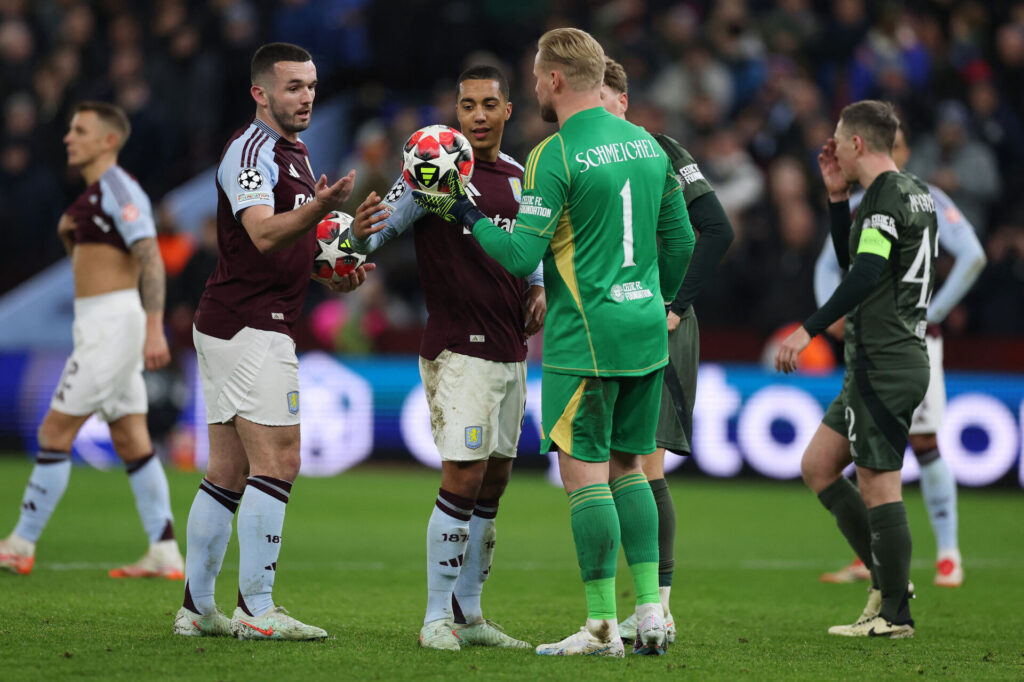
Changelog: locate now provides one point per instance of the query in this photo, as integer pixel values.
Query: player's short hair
(110, 115)
(578, 56)
(874, 121)
(266, 56)
(615, 76)
(484, 72)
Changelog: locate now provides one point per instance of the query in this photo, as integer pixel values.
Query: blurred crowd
(751, 87)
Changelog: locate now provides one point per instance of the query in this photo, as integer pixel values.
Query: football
(431, 153)
(333, 255)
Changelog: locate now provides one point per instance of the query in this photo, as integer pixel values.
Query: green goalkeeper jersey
(895, 220)
(600, 194)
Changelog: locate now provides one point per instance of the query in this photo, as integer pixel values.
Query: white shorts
(476, 406)
(103, 376)
(928, 415)
(254, 375)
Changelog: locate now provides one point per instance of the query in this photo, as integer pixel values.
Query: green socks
(638, 519)
(847, 506)
(890, 543)
(595, 528)
(666, 531)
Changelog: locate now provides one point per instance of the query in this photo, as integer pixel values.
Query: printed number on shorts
(454, 537)
(275, 539)
(850, 419)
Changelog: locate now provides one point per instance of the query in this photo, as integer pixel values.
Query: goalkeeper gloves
(455, 207)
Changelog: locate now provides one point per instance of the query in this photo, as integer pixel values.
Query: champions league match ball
(431, 153)
(333, 255)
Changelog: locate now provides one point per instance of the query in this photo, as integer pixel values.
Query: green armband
(874, 242)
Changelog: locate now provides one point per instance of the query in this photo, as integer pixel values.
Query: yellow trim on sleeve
(873, 241)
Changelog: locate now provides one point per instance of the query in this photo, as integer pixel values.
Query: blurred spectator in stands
(736, 42)
(737, 181)
(376, 163)
(1009, 45)
(697, 72)
(953, 160)
(17, 49)
(1000, 128)
(997, 300)
(30, 213)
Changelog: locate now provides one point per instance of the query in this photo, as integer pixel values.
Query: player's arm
(869, 263)
(708, 218)
(153, 291)
(957, 236)
(133, 219)
(378, 221)
(270, 233)
(839, 201)
(545, 186)
(676, 235)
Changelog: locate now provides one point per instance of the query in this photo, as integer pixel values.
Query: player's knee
(52, 437)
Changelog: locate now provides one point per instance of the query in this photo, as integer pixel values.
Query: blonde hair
(615, 75)
(578, 56)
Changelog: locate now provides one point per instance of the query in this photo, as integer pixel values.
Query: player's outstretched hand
(453, 206)
(352, 280)
(831, 174)
(370, 217)
(789, 349)
(536, 308)
(333, 196)
(155, 352)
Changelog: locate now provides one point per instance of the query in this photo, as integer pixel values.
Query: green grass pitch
(746, 597)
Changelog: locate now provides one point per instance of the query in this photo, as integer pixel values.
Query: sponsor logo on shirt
(532, 204)
(277, 316)
(507, 224)
(474, 437)
(252, 196)
(690, 174)
(616, 152)
(292, 172)
(921, 203)
(250, 179)
(629, 291)
(476, 338)
(882, 223)
(300, 199)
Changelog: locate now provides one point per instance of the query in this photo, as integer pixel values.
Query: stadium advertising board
(747, 420)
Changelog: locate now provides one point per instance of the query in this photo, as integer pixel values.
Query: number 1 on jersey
(627, 226)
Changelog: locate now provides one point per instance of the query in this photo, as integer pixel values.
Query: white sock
(477, 565)
(664, 592)
(207, 537)
(45, 487)
(260, 521)
(447, 537)
(938, 487)
(152, 498)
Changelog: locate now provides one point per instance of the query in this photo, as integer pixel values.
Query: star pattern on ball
(331, 251)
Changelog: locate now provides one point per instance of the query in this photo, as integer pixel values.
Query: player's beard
(547, 112)
(288, 121)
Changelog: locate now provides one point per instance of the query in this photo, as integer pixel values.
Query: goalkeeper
(592, 196)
